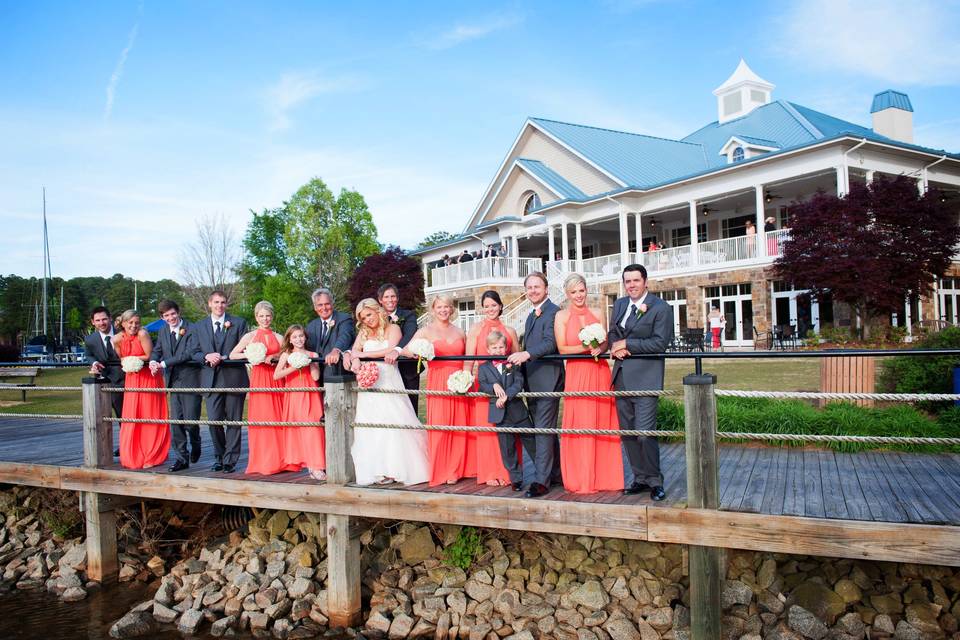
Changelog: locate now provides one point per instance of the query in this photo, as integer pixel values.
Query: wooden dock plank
(877, 491)
(732, 494)
(854, 500)
(774, 492)
(764, 471)
(834, 504)
(909, 493)
(793, 500)
(812, 485)
(938, 487)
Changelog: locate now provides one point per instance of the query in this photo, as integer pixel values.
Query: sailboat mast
(46, 261)
(61, 314)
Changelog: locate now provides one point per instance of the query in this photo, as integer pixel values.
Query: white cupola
(743, 92)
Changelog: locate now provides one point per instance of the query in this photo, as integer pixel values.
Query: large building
(571, 197)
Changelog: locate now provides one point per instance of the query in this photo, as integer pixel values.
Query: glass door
(736, 304)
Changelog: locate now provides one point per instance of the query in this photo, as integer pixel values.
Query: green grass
(47, 401)
(790, 374)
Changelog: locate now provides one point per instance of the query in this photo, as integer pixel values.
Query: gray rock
(258, 621)
(423, 629)
(165, 594)
(883, 624)
(281, 629)
(591, 595)
(220, 627)
(819, 600)
(479, 591)
(73, 594)
(523, 635)
(457, 602)
(735, 592)
(133, 625)
(301, 587)
(770, 602)
(75, 558)
(400, 627)
(190, 621)
(851, 624)
(417, 546)
(507, 602)
(905, 631)
(378, 622)
(805, 623)
(923, 617)
(163, 614)
(767, 573)
(622, 629)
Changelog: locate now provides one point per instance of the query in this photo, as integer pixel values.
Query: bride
(383, 456)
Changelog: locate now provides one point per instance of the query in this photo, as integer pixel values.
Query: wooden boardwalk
(808, 500)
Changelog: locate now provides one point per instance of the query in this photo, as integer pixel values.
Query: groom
(641, 323)
(102, 357)
(217, 335)
(539, 340)
(389, 299)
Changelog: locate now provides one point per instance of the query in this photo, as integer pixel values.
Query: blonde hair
(573, 279)
(446, 300)
(263, 304)
(363, 331)
(494, 337)
(127, 315)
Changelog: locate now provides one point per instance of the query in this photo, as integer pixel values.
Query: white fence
(483, 270)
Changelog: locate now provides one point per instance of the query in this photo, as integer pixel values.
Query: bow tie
(499, 363)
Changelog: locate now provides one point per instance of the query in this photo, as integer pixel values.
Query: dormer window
(533, 202)
(737, 155)
(739, 148)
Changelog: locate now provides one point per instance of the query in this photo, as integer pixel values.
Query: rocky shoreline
(447, 582)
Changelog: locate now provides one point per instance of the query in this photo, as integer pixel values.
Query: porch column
(565, 240)
(515, 254)
(869, 176)
(694, 236)
(843, 181)
(624, 237)
(426, 273)
(638, 246)
(579, 248)
(761, 244)
(551, 249)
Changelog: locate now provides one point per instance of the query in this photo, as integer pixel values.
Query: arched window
(738, 154)
(533, 202)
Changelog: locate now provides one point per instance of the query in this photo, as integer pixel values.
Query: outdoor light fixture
(707, 210)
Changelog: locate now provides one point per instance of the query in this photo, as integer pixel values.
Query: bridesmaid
(490, 469)
(588, 463)
(142, 445)
(302, 446)
(452, 454)
(264, 444)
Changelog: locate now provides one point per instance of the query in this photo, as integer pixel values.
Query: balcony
(483, 271)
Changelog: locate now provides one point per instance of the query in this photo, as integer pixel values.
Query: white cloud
(901, 43)
(467, 31)
(298, 87)
(118, 69)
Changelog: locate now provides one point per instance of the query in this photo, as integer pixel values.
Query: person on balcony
(751, 232)
(588, 463)
(539, 341)
(770, 224)
(466, 256)
(490, 467)
(452, 454)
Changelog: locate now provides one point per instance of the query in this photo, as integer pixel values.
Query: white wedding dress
(400, 454)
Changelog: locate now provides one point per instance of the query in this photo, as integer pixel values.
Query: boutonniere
(642, 309)
(227, 324)
(538, 312)
(183, 332)
(508, 368)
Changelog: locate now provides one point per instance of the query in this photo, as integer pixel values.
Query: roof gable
(551, 179)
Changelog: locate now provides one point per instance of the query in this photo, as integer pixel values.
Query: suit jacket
(341, 336)
(515, 411)
(180, 357)
(652, 333)
(96, 351)
(225, 375)
(407, 321)
(539, 340)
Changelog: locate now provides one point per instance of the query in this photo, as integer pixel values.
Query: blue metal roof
(760, 142)
(631, 158)
(551, 178)
(891, 99)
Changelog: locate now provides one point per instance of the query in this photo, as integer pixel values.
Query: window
(758, 96)
(737, 155)
(533, 202)
(681, 237)
(732, 103)
(784, 217)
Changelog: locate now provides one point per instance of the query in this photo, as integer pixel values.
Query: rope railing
(817, 395)
(216, 423)
(51, 416)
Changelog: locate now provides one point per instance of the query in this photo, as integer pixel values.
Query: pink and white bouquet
(368, 375)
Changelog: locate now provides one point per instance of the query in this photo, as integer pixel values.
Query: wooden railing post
(343, 543)
(703, 492)
(99, 517)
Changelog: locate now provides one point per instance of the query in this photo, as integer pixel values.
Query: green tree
(264, 251)
(328, 237)
(290, 300)
(435, 238)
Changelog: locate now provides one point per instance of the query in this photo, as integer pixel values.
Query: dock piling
(100, 519)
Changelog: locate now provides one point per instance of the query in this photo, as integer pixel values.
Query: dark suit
(539, 340)
(651, 333)
(96, 351)
(340, 336)
(513, 414)
(180, 355)
(407, 321)
(222, 406)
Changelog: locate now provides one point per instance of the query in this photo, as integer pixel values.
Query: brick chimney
(893, 115)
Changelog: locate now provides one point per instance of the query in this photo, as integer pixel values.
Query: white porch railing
(602, 266)
(775, 240)
(666, 259)
(728, 250)
(483, 269)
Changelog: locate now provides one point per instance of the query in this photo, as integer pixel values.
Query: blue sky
(140, 118)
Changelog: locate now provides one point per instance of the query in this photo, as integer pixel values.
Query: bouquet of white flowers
(255, 353)
(460, 381)
(298, 360)
(423, 349)
(592, 336)
(131, 364)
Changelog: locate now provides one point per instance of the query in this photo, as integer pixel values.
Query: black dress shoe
(194, 454)
(229, 468)
(217, 466)
(116, 453)
(179, 465)
(535, 490)
(657, 494)
(636, 487)
(516, 486)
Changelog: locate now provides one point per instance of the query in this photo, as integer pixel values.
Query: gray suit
(513, 414)
(539, 340)
(96, 351)
(340, 336)
(222, 406)
(181, 357)
(651, 333)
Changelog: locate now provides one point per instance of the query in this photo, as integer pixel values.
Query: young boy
(505, 381)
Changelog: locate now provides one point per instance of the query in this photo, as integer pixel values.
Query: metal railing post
(343, 543)
(100, 520)
(706, 563)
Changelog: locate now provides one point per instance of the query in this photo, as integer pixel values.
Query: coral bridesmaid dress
(490, 467)
(589, 463)
(452, 454)
(265, 444)
(142, 445)
(304, 446)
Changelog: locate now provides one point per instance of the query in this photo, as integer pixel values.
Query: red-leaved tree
(872, 247)
(391, 265)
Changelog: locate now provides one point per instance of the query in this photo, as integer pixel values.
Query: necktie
(216, 331)
(175, 335)
(108, 347)
(323, 332)
(631, 314)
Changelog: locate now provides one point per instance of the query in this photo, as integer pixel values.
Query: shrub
(836, 335)
(465, 549)
(917, 374)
